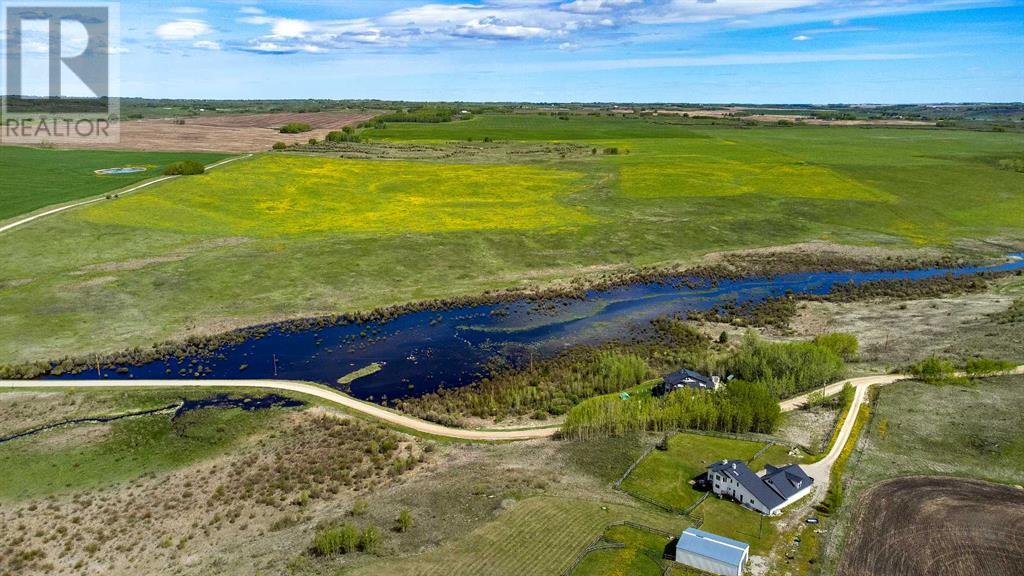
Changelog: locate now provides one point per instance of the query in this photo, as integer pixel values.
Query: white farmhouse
(768, 493)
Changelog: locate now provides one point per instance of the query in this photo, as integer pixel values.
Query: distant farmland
(287, 235)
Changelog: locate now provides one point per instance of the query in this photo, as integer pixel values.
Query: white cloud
(188, 10)
(596, 6)
(206, 45)
(182, 30)
(291, 28)
(569, 46)
(568, 21)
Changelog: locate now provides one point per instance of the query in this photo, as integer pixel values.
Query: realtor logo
(58, 63)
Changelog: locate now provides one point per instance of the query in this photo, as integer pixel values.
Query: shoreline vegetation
(729, 266)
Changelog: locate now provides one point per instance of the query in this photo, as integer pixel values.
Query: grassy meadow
(88, 456)
(35, 177)
(283, 235)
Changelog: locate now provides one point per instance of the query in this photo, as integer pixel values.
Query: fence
(599, 543)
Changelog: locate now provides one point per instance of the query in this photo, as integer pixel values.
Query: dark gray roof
(786, 481)
(690, 378)
(738, 471)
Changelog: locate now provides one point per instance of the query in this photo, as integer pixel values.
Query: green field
(641, 556)
(34, 177)
(282, 236)
(539, 536)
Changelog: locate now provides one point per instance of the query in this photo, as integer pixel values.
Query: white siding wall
(793, 498)
(726, 486)
(707, 564)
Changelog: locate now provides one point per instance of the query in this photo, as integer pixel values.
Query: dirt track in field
(936, 527)
(227, 133)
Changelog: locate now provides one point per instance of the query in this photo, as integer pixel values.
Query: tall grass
(546, 388)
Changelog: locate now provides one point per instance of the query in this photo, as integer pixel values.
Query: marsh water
(422, 351)
(222, 401)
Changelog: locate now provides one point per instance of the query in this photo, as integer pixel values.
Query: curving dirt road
(302, 388)
(819, 470)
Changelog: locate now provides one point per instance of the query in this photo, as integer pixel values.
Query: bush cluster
(295, 128)
(345, 538)
(184, 168)
(428, 114)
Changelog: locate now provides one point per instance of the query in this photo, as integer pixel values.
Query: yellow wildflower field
(273, 195)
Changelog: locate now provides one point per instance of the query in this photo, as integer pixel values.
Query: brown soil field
(937, 527)
(317, 120)
(227, 133)
(725, 113)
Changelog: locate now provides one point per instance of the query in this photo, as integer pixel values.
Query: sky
(714, 51)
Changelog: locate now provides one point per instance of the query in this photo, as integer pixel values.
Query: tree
(723, 337)
(404, 521)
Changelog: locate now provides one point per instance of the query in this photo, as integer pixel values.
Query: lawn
(282, 236)
(539, 536)
(664, 476)
(34, 177)
(641, 556)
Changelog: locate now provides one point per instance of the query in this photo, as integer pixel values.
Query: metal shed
(711, 552)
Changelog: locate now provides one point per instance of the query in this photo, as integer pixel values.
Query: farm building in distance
(711, 552)
(768, 493)
(685, 379)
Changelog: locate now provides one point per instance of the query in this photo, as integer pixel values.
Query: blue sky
(756, 51)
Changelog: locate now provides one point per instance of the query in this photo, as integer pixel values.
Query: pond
(121, 170)
(421, 351)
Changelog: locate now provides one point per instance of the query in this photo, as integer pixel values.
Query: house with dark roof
(711, 553)
(768, 492)
(685, 379)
